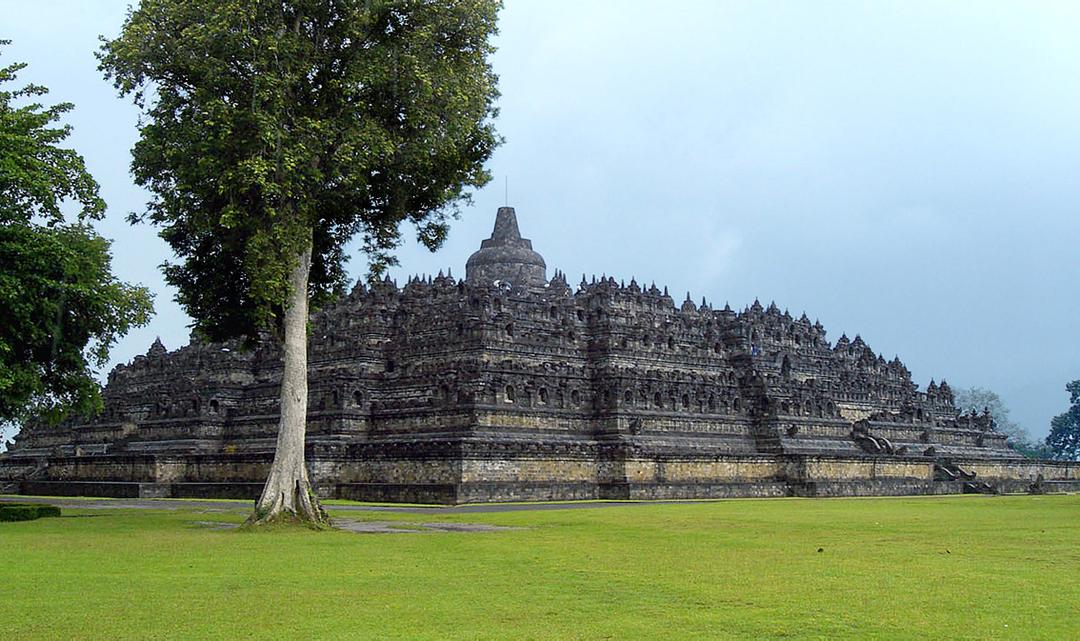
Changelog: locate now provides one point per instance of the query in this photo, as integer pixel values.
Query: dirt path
(226, 505)
(386, 527)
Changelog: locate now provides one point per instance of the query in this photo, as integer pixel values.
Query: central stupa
(506, 257)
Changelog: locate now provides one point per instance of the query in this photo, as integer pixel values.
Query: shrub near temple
(26, 511)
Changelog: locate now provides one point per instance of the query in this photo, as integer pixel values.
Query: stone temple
(509, 386)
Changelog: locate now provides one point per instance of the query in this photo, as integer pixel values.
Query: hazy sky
(906, 171)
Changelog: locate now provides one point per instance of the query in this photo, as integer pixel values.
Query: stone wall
(455, 475)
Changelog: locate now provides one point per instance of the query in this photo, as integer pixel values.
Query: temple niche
(508, 385)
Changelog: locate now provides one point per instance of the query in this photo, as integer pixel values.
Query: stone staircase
(945, 470)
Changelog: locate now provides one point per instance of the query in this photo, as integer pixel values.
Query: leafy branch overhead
(36, 175)
(61, 308)
(271, 125)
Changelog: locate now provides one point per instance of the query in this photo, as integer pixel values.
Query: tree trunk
(287, 495)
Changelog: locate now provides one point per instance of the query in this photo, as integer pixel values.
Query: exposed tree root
(299, 506)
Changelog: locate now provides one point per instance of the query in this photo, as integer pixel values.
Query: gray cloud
(906, 171)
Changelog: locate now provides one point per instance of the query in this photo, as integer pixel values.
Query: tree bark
(287, 495)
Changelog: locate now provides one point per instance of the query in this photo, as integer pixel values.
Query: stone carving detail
(860, 433)
(946, 470)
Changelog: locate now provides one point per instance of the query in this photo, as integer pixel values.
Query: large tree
(978, 399)
(274, 131)
(61, 308)
(1064, 438)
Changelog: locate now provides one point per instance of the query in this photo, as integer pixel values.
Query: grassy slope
(940, 568)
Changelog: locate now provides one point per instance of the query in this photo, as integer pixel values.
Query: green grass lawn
(906, 568)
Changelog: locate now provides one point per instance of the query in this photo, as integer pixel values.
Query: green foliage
(978, 399)
(36, 176)
(270, 125)
(60, 312)
(948, 568)
(61, 309)
(1064, 437)
(26, 511)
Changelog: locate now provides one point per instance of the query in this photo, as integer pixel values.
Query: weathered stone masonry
(509, 386)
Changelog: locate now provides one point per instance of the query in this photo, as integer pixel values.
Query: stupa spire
(506, 256)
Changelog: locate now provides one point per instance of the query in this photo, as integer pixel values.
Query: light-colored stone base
(478, 472)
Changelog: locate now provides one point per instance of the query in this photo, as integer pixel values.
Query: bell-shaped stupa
(506, 256)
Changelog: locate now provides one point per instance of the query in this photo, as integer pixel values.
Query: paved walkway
(386, 527)
(174, 504)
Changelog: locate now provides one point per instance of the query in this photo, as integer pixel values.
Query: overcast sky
(906, 171)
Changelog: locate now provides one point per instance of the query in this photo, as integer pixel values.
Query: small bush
(48, 510)
(26, 511)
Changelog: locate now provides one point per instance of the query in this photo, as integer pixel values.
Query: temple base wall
(452, 473)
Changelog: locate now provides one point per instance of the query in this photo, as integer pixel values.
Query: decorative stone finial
(157, 348)
(506, 256)
(506, 225)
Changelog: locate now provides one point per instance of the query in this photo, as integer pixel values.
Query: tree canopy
(61, 309)
(1064, 438)
(272, 125)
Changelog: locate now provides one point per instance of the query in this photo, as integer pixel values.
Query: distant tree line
(1064, 438)
(1063, 442)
